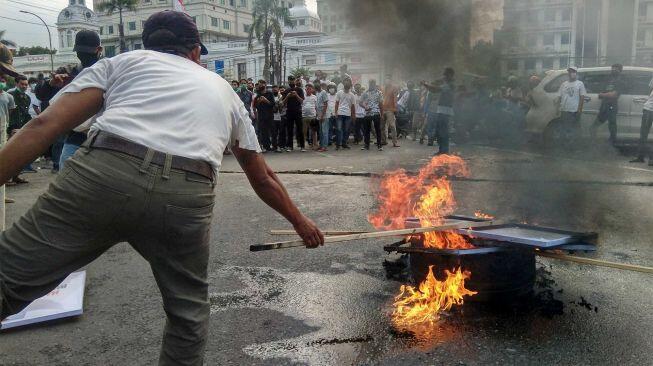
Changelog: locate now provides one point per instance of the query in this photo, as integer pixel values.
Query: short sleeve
(242, 130)
(96, 76)
(12, 102)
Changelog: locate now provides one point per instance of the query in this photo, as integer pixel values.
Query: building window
(214, 22)
(110, 51)
(643, 9)
(550, 15)
(246, 27)
(101, 30)
(232, 2)
(565, 38)
(69, 38)
(513, 65)
(221, 2)
(566, 15)
(302, 22)
(529, 64)
(311, 61)
(226, 24)
(137, 46)
(548, 39)
(243, 3)
(547, 64)
(132, 26)
(564, 62)
(110, 29)
(195, 20)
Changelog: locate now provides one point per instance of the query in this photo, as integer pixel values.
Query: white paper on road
(64, 301)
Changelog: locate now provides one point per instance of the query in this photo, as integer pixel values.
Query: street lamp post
(49, 37)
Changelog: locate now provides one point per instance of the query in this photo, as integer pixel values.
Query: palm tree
(269, 18)
(6, 42)
(110, 7)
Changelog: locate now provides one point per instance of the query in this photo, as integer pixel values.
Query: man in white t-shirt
(647, 121)
(146, 175)
(346, 113)
(572, 95)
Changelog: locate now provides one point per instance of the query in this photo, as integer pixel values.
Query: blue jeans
(67, 152)
(325, 127)
(343, 124)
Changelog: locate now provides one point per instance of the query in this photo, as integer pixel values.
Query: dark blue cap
(171, 31)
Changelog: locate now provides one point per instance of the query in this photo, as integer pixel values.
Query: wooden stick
(327, 232)
(595, 262)
(370, 235)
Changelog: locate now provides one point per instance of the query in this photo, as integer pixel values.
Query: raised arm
(269, 188)
(68, 112)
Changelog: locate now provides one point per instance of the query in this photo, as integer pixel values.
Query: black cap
(170, 30)
(86, 41)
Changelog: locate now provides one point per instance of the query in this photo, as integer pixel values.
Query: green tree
(485, 59)
(300, 71)
(35, 50)
(110, 7)
(6, 42)
(269, 17)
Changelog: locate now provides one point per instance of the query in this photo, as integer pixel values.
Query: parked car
(543, 118)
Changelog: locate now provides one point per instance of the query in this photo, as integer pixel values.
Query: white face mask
(32, 86)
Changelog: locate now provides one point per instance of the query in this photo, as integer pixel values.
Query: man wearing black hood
(89, 50)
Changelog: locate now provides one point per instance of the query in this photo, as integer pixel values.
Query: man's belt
(109, 141)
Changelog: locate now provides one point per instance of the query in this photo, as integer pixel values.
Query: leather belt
(109, 141)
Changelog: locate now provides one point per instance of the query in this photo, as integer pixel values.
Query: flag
(178, 5)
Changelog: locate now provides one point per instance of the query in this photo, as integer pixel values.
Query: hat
(7, 61)
(86, 41)
(170, 30)
(572, 69)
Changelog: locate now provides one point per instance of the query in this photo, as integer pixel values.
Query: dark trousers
(283, 132)
(607, 112)
(277, 142)
(358, 130)
(368, 123)
(439, 126)
(265, 130)
(647, 120)
(102, 198)
(295, 124)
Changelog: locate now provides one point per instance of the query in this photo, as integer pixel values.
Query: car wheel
(553, 134)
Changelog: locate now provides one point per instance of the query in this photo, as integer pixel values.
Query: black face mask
(87, 59)
(291, 85)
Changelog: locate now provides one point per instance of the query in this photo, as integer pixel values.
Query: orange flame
(427, 196)
(482, 215)
(424, 305)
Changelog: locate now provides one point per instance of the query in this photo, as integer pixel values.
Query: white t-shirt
(360, 111)
(168, 103)
(331, 106)
(346, 101)
(570, 93)
(309, 106)
(648, 105)
(34, 102)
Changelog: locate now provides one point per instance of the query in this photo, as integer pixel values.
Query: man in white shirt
(346, 113)
(146, 175)
(572, 98)
(647, 121)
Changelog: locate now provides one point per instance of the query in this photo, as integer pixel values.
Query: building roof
(76, 12)
(301, 11)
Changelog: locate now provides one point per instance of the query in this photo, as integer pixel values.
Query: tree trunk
(266, 57)
(121, 33)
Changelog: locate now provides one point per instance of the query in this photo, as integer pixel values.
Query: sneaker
(346, 147)
(637, 160)
(380, 148)
(365, 148)
(303, 150)
(395, 145)
(278, 151)
(288, 149)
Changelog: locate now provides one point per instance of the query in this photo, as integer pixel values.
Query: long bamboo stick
(564, 257)
(595, 262)
(327, 233)
(367, 235)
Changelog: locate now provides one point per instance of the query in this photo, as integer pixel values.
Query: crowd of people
(328, 113)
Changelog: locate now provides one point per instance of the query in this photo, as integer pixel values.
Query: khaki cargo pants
(102, 198)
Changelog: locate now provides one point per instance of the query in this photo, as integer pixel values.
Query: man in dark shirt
(293, 99)
(19, 116)
(264, 103)
(610, 104)
(245, 96)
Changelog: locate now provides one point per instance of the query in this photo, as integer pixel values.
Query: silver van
(543, 118)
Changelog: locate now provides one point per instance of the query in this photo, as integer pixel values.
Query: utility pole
(285, 54)
(272, 73)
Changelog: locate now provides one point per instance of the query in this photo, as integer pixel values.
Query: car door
(638, 89)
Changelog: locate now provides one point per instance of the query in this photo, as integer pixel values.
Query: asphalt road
(331, 306)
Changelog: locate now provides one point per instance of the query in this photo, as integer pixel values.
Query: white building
(72, 19)
(304, 20)
(217, 21)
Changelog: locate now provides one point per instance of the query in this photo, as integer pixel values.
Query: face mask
(32, 86)
(243, 87)
(3, 85)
